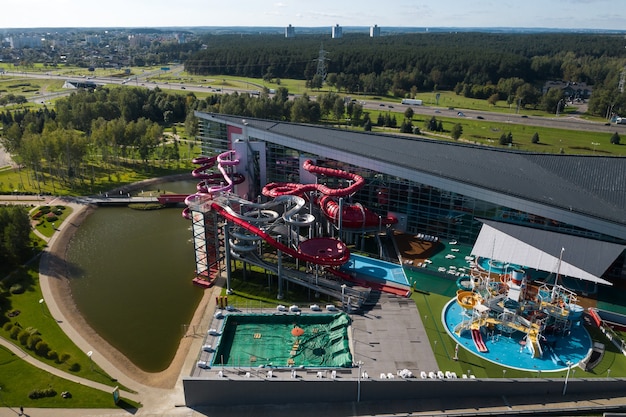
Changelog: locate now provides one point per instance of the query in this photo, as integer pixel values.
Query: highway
(147, 80)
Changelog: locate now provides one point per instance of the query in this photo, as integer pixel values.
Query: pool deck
(385, 339)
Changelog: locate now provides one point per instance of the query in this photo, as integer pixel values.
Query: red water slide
(477, 337)
(319, 251)
(352, 215)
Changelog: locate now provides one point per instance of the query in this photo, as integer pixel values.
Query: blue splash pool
(509, 349)
(376, 270)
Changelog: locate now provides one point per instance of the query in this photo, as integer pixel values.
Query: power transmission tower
(321, 63)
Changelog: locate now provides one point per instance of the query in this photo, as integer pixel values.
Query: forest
(503, 66)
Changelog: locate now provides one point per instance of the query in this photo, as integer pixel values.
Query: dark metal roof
(591, 185)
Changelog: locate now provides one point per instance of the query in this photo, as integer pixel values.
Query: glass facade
(427, 209)
(214, 136)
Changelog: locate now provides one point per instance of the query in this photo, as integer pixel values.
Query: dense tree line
(15, 244)
(500, 67)
(422, 60)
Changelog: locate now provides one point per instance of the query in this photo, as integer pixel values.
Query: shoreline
(55, 282)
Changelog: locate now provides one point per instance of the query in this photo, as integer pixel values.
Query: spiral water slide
(352, 215)
(213, 182)
(319, 251)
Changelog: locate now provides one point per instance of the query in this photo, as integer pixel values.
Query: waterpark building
(291, 198)
(526, 208)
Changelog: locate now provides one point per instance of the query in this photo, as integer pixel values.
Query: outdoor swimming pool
(284, 340)
(495, 266)
(506, 350)
(376, 269)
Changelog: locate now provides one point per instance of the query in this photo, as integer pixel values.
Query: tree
(431, 124)
(457, 131)
(535, 138)
(339, 108)
(408, 113)
(493, 99)
(551, 100)
(615, 139)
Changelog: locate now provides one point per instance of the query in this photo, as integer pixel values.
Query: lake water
(130, 275)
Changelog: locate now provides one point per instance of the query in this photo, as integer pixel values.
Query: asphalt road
(559, 122)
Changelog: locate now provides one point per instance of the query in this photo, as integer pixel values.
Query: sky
(560, 14)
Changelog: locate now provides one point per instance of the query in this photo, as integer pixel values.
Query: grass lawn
(20, 378)
(26, 310)
(44, 225)
(12, 180)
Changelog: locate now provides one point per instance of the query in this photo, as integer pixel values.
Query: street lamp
(569, 368)
(594, 146)
(90, 360)
(41, 301)
(358, 382)
(558, 107)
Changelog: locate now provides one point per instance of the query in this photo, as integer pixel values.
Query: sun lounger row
(439, 375)
(427, 238)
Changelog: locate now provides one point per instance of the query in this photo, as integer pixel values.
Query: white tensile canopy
(572, 256)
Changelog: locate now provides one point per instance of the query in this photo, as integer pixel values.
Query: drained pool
(284, 340)
(376, 270)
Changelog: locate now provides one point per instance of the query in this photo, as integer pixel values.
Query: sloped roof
(590, 185)
(568, 255)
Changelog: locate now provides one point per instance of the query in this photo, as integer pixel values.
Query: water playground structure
(295, 234)
(508, 320)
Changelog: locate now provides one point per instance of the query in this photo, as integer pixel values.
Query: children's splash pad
(519, 326)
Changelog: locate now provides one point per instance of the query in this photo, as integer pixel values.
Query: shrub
(16, 289)
(64, 357)
(41, 393)
(15, 331)
(75, 367)
(23, 336)
(42, 348)
(51, 217)
(45, 209)
(33, 339)
(615, 139)
(535, 138)
(7, 326)
(54, 356)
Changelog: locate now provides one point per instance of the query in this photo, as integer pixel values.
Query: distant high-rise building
(337, 32)
(290, 32)
(374, 31)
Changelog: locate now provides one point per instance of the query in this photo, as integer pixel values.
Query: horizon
(590, 15)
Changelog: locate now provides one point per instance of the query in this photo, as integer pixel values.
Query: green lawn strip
(481, 132)
(20, 378)
(11, 180)
(35, 315)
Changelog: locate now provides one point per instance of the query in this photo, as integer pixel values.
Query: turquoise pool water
(506, 350)
(376, 269)
(495, 266)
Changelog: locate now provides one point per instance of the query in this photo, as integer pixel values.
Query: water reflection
(131, 277)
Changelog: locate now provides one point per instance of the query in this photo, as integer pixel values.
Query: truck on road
(412, 101)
